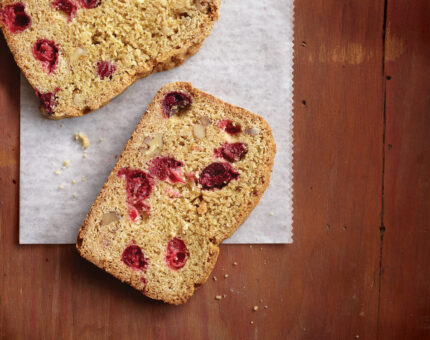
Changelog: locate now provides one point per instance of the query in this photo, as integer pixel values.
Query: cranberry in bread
(189, 176)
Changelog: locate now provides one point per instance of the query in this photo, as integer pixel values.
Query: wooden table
(359, 265)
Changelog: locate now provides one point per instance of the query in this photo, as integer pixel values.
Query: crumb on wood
(255, 308)
(83, 139)
(226, 275)
(234, 263)
(218, 297)
(266, 306)
(215, 278)
(252, 322)
(225, 295)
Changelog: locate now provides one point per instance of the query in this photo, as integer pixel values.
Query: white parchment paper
(246, 61)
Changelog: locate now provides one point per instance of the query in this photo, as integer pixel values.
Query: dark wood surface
(360, 262)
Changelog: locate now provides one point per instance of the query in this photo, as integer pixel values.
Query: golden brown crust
(216, 236)
(168, 60)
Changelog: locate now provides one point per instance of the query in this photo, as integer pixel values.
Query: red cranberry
(229, 127)
(175, 101)
(67, 6)
(143, 280)
(138, 187)
(15, 18)
(47, 100)
(133, 257)
(231, 152)
(105, 69)
(46, 51)
(90, 3)
(217, 175)
(176, 254)
(165, 168)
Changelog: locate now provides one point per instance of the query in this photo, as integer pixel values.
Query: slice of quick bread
(191, 173)
(79, 54)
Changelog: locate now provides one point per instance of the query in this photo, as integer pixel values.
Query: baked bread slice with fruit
(79, 54)
(189, 176)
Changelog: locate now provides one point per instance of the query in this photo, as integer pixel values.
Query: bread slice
(79, 54)
(190, 175)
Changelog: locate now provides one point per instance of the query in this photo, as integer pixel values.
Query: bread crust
(174, 58)
(243, 211)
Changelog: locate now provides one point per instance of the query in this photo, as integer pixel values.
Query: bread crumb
(250, 246)
(74, 195)
(57, 172)
(218, 297)
(226, 275)
(234, 263)
(73, 181)
(266, 306)
(271, 213)
(116, 156)
(252, 322)
(215, 278)
(61, 125)
(261, 300)
(101, 139)
(83, 179)
(225, 295)
(83, 139)
(61, 187)
(66, 163)
(85, 155)
(255, 308)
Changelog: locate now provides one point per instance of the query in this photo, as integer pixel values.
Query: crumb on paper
(85, 155)
(234, 263)
(83, 179)
(75, 195)
(215, 278)
(218, 297)
(226, 275)
(116, 156)
(61, 125)
(61, 187)
(255, 308)
(101, 139)
(63, 167)
(66, 163)
(271, 213)
(57, 172)
(83, 139)
(73, 181)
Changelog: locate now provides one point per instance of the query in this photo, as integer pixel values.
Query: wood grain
(326, 284)
(405, 289)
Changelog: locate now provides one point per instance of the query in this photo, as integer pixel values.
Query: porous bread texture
(139, 37)
(201, 218)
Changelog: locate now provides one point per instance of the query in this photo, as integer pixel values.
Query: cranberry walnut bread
(191, 173)
(79, 54)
